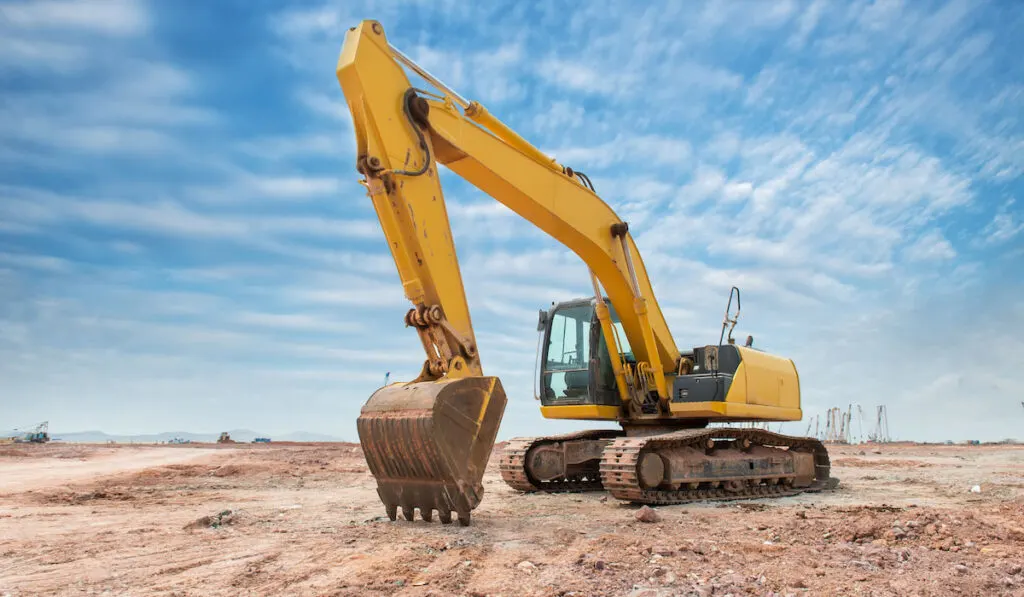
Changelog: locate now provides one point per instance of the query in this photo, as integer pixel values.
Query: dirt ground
(304, 519)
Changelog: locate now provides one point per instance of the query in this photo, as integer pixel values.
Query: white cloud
(112, 139)
(81, 124)
(333, 107)
(625, 148)
(17, 228)
(737, 191)
(707, 180)
(720, 17)
(377, 264)
(276, 148)
(487, 210)
(19, 53)
(560, 116)
(166, 217)
(647, 191)
(140, 92)
(879, 16)
(1003, 227)
(722, 147)
(942, 24)
(36, 262)
(127, 247)
(581, 77)
(244, 188)
(689, 75)
(808, 230)
(931, 246)
(355, 293)
(295, 322)
(761, 249)
(296, 186)
(970, 52)
(111, 17)
(704, 76)
(120, 103)
(758, 91)
(307, 21)
(558, 264)
(807, 21)
(890, 179)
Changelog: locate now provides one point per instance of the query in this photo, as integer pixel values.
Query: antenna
(730, 320)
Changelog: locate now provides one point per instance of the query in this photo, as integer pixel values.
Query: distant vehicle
(40, 434)
(261, 440)
(225, 438)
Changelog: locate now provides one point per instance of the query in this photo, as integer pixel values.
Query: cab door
(575, 365)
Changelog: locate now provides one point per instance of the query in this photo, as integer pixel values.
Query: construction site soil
(304, 519)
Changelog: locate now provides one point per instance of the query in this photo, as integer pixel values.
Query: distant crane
(860, 425)
(837, 426)
(881, 434)
(813, 422)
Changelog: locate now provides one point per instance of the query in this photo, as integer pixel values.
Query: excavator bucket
(427, 444)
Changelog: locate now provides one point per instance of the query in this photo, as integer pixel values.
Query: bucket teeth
(465, 517)
(427, 444)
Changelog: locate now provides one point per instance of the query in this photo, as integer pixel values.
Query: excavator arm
(403, 133)
(427, 441)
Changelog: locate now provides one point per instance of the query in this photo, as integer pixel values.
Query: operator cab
(573, 356)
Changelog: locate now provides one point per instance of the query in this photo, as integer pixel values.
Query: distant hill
(239, 435)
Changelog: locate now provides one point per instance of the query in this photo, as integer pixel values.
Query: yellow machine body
(764, 387)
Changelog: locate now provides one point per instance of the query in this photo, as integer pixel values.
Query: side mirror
(542, 320)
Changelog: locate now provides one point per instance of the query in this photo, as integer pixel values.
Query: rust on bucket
(427, 444)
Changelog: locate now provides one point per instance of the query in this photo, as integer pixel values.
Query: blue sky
(184, 245)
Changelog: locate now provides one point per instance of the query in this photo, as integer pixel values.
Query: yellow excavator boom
(394, 148)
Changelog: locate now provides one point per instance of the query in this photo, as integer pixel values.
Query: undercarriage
(722, 463)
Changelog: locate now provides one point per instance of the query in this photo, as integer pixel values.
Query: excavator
(687, 419)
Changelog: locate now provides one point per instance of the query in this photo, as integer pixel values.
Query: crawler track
(513, 464)
(620, 475)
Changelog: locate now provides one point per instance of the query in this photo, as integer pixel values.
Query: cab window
(568, 353)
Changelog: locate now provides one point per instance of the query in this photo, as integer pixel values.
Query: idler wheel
(652, 470)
